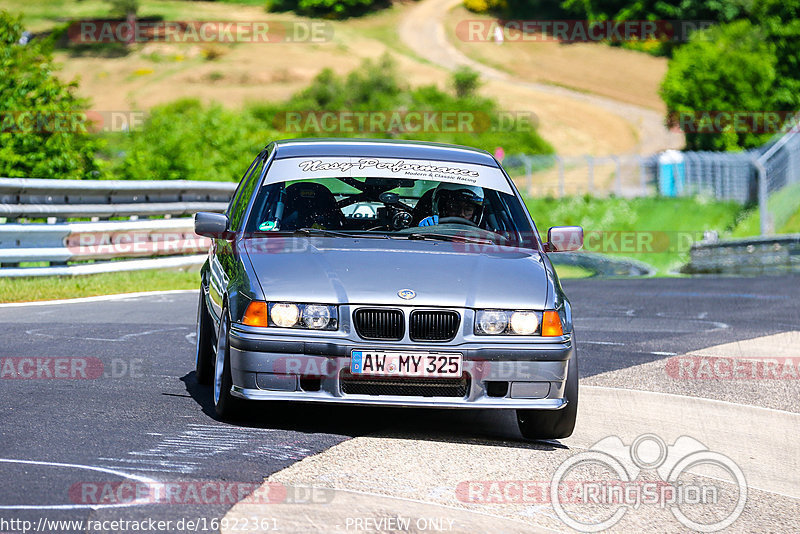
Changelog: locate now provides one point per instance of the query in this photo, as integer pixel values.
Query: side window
(241, 186)
(243, 194)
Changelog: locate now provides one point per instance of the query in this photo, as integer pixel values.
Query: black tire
(226, 405)
(204, 345)
(553, 424)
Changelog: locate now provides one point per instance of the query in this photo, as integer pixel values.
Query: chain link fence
(778, 177)
(769, 175)
(557, 176)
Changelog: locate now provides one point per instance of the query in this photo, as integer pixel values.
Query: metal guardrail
(602, 265)
(98, 241)
(764, 255)
(174, 262)
(37, 198)
(129, 245)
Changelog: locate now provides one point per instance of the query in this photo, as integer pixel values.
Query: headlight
(491, 322)
(507, 322)
(524, 323)
(284, 315)
(316, 316)
(311, 316)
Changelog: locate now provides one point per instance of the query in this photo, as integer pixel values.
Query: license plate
(366, 362)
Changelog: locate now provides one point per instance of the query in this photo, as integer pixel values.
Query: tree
(726, 68)
(336, 9)
(43, 127)
(780, 20)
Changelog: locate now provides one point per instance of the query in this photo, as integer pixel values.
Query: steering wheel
(456, 220)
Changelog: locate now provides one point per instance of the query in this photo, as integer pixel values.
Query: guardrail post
(618, 167)
(529, 172)
(642, 175)
(763, 210)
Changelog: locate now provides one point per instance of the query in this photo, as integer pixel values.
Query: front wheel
(204, 345)
(553, 424)
(225, 404)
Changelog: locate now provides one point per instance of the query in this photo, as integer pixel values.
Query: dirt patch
(624, 75)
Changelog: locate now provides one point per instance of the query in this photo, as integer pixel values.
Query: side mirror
(564, 239)
(213, 225)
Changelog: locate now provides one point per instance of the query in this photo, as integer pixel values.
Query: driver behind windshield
(456, 200)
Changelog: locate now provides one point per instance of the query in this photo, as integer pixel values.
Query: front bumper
(310, 369)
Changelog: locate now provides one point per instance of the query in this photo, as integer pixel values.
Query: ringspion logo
(593, 490)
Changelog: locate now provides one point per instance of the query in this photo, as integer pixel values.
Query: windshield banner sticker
(364, 167)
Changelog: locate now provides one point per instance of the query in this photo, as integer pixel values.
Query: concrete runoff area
(415, 478)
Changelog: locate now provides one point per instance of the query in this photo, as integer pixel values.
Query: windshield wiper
(447, 237)
(333, 233)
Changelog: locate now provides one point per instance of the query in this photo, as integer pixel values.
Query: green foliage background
(187, 140)
(336, 9)
(750, 65)
(679, 218)
(725, 68)
(28, 85)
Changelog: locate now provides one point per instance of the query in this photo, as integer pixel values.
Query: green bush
(485, 6)
(731, 67)
(688, 11)
(28, 85)
(466, 81)
(678, 10)
(337, 9)
(375, 86)
(780, 23)
(186, 140)
(123, 7)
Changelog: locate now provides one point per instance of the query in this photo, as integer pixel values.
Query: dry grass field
(624, 75)
(233, 74)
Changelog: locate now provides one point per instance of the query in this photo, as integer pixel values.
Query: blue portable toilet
(671, 173)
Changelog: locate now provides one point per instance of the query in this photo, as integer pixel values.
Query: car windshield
(396, 207)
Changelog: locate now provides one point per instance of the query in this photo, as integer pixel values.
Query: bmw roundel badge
(406, 294)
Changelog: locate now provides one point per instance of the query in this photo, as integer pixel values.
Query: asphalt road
(144, 415)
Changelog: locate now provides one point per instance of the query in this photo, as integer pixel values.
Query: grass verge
(572, 271)
(657, 231)
(784, 206)
(64, 287)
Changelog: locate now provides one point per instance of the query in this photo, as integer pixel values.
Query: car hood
(372, 271)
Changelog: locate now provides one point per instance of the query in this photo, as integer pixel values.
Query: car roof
(386, 148)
